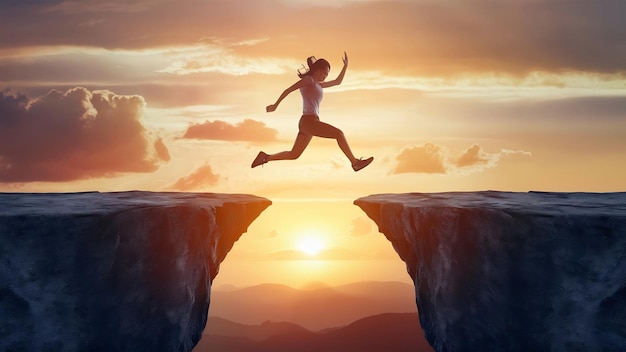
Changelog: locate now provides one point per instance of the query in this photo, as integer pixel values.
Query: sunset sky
(447, 95)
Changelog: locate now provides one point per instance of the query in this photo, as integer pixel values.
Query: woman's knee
(294, 154)
(339, 134)
(330, 131)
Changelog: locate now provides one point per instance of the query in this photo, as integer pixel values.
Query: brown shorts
(307, 117)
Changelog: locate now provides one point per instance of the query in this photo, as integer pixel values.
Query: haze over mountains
(315, 308)
(364, 316)
(398, 332)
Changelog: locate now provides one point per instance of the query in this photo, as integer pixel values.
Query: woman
(311, 86)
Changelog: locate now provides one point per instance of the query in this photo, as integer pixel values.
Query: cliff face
(127, 271)
(497, 271)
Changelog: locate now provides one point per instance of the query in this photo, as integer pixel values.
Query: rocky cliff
(126, 271)
(496, 271)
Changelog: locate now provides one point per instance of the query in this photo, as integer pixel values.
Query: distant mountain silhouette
(222, 327)
(385, 332)
(398, 332)
(316, 308)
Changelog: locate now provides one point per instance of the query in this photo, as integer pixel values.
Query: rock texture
(126, 271)
(497, 271)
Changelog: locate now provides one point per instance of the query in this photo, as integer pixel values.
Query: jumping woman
(311, 86)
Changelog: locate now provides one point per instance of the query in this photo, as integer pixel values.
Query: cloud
(429, 37)
(427, 158)
(473, 156)
(361, 226)
(80, 7)
(161, 150)
(433, 159)
(247, 130)
(76, 134)
(198, 179)
(475, 159)
(220, 56)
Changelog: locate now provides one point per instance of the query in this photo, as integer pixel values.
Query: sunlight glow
(534, 84)
(310, 245)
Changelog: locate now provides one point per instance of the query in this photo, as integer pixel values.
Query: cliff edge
(127, 271)
(499, 271)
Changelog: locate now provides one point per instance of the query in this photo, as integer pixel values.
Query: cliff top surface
(12, 204)
(549, 203)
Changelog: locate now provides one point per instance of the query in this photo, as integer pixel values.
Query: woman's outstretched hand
(270, 108)
(345, 59)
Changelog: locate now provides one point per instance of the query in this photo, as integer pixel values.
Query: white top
(312, 94)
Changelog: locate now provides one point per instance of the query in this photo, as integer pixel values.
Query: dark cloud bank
(76, 134)
(425, 36)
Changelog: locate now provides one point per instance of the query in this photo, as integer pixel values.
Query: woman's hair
(313, 65)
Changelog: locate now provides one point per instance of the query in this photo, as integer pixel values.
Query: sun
(310, 245)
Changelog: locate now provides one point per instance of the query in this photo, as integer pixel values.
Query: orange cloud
(475, 159)
(427, 158)
(434, 159)
(247, 130)
(217, 55)
(161, 150)
(414, 37)
(198, 179)
(473, 156)
(76, 134)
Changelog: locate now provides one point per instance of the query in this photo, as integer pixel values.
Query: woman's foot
(260, 159)
(361, 163)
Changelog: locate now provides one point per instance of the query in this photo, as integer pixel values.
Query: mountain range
(363, 316)
(398, 332)
(314, 308)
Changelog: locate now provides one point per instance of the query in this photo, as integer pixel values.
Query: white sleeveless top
(312, 94)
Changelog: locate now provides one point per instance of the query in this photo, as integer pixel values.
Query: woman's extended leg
(302, 140)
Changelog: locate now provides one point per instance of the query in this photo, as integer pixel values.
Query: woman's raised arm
(337, 81)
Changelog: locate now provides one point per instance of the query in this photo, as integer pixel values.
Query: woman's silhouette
(311, 86)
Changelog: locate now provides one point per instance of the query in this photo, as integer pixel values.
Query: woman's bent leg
(313, 126)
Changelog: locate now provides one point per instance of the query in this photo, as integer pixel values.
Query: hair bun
(310, 61)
